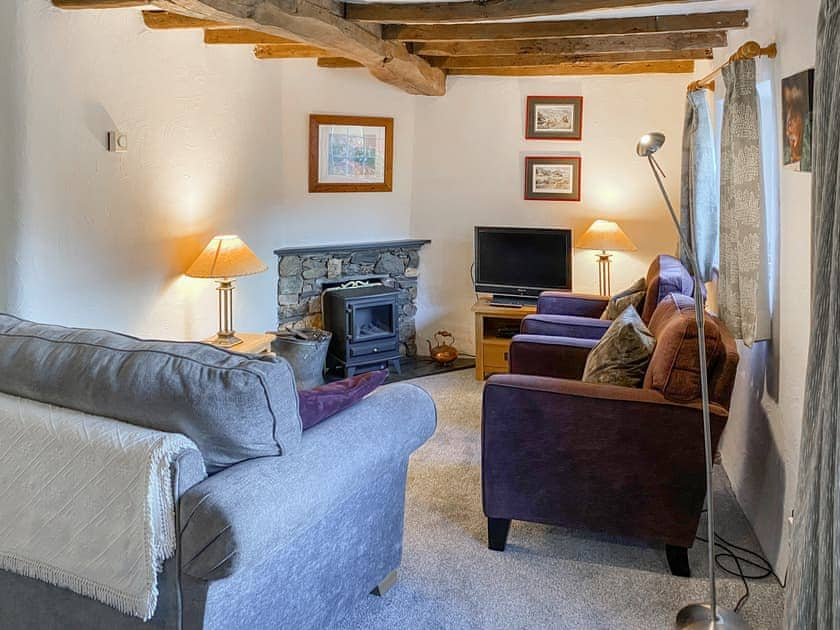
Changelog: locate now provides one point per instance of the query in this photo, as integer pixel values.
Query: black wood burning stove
(365, 325)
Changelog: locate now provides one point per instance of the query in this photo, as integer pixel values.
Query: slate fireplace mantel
(305, 272)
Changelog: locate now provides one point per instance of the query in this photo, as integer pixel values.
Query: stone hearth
(305, 272)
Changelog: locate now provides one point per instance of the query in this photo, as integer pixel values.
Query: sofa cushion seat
(234, 407)
(674, 367)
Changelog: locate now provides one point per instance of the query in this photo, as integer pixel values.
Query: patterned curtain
(700, 210)
(744, 279)
(813, 592)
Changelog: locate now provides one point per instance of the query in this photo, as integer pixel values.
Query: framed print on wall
(797, 118)
(552, 178)
(554, 118)
(351, 153)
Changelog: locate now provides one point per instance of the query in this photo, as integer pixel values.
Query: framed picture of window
(552, 178)
(554, 118)
(350, 153)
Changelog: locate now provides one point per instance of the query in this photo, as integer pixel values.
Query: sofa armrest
(564, 326)
(579, 304)
(559, 357)
(244, 514)
(600, 457)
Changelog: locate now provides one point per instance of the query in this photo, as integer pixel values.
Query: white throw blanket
(86, 502)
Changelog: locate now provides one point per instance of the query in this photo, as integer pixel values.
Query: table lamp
(226, 257)
(605, 235)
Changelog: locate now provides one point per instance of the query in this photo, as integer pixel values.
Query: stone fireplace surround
(305, 272)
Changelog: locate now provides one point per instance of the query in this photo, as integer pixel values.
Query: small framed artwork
(351, 153)
(554, 118)
(552, 178)
(797, 118)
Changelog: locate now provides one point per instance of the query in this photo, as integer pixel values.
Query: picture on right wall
(797, 107)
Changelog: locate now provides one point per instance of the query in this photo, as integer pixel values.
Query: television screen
(522, 261)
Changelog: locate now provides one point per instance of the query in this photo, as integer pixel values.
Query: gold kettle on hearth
(445, 351)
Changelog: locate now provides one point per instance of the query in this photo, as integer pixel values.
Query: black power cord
(733, 560)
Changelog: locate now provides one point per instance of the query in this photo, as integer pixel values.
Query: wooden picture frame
(350, 153)
(554, 118)
(552, 178)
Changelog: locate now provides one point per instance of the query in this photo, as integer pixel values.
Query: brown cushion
(675, 367)
(666, 275)
(631, 296)
(623, 354)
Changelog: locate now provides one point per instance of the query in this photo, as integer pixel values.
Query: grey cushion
(234, 407)
(632, 296)
(623, 354)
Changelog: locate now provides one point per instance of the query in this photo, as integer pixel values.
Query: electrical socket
(117, 142)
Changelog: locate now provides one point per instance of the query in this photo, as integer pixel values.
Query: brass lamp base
(699, 617)
(225, 337)
(604, 260)
(226, 341)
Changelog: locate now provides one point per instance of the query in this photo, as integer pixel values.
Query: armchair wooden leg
(385, 585)
(497, 533)
(678, 560)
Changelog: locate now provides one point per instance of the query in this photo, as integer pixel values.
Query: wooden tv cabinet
(491, 350)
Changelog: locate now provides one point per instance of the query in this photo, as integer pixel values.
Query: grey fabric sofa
(280, 541)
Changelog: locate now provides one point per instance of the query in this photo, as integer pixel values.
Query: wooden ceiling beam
(321, 23)
(318, 23)
(569, 69)
(99, 4)
(525, 61)
(163, 20)
(566, 28)
(483, 11)
(288, 51)
(243, 36)
(338, 62)
(577, 45)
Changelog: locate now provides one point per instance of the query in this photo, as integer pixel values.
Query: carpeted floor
(548, 578)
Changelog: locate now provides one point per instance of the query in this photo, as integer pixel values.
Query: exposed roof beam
(661, 67)
(576, 45)
(243, 36)
(287, 51)
(163, 20)
(566, 28)
(337, 62)
(486, 10)
(525, 61)
(99, 4)
(319, 23)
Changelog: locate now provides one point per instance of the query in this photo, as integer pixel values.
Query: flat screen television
(522, 262)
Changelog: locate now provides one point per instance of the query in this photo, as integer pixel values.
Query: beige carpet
(548, 578)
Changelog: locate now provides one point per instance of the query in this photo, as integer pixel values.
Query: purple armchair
(623, 461)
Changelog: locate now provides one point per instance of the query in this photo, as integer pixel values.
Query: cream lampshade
(605, 236)
(226, 257)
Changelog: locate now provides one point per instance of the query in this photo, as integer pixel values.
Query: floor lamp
(704, 615)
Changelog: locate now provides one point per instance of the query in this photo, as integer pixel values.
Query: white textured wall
(218, 143)
(468, 170)
(8, 139)
(760, 447)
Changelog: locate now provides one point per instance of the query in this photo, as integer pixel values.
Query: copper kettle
(444, 352)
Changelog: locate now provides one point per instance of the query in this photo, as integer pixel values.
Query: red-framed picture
(552, 178)
(554, 118)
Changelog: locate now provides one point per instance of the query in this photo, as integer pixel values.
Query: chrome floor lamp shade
(706, 615)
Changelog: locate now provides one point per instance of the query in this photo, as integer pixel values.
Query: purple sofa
(624, 461)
